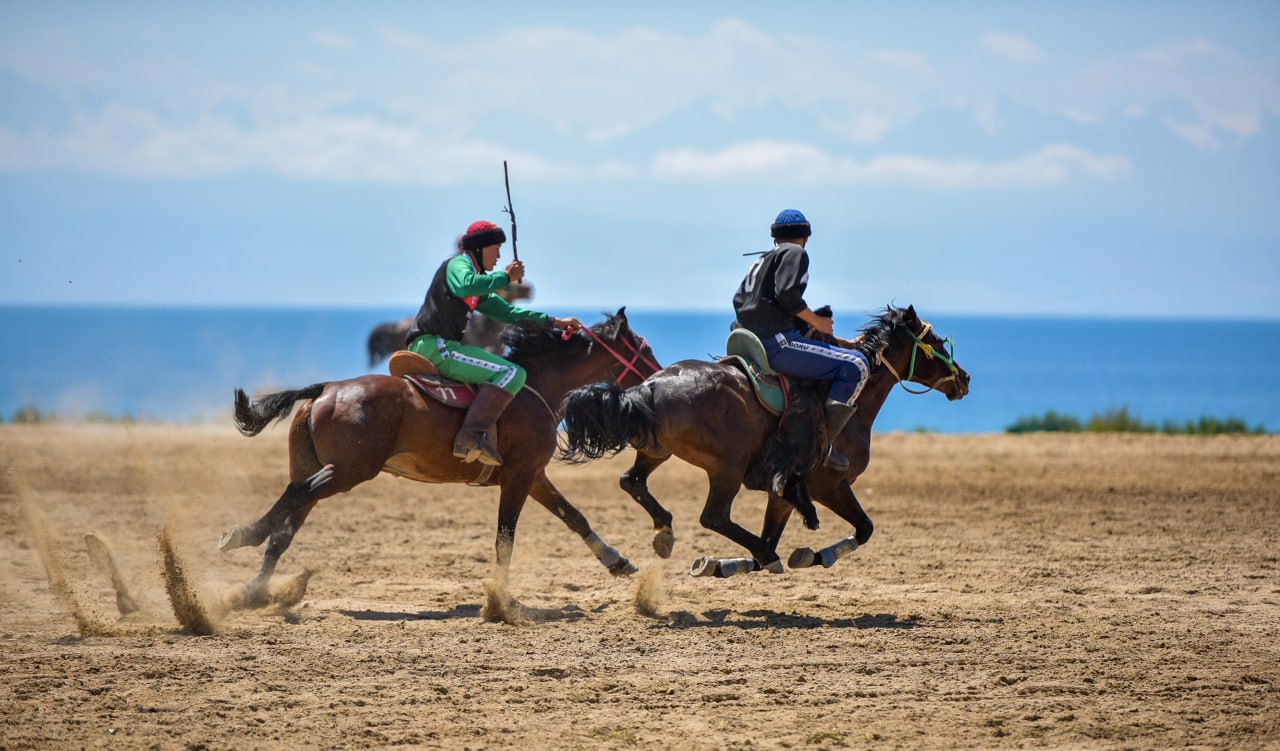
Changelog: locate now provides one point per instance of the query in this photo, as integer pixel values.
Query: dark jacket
(772, 293)
(457, 289)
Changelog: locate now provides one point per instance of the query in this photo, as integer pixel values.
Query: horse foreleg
(554, 501)
(635, 482)
(841, 500)
(776, 514)
(295, 496)
(510, 504)
(716, 517)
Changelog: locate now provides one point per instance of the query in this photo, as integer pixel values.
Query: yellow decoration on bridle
(929, 352)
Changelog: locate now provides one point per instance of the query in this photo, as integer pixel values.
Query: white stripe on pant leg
(493, 367)
(860, 360)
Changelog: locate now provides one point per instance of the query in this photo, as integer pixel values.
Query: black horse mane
(877, 332)
(526, 339)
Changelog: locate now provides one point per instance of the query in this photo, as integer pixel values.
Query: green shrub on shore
(1051, 421)
(1119, 420)
(29, 414)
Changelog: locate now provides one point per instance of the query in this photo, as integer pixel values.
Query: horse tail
(251, 416)
(602, 419)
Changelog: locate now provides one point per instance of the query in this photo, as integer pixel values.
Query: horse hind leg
(635, 483)
(716, 517)
(842, 501)
(796, 493)
(295, 496)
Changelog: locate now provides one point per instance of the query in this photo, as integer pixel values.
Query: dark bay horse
(706, 414)
(349, 431)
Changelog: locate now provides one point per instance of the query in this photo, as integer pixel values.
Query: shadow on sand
(771, 619)
(458, 611)
(522, 612)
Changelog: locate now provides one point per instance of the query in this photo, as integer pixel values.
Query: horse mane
(877, 332)
(526, 338)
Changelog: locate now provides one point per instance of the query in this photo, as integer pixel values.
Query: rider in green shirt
(464, 283)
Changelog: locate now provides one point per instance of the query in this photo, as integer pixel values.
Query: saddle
(419, 371)
(744, 350)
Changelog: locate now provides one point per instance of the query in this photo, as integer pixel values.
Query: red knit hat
(482, 234)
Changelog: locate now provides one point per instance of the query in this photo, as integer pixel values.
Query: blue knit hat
(790, 223)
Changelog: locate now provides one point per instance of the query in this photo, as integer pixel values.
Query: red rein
(637, 353)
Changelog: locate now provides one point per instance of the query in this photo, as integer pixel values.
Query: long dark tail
(602, 419)
(252, 416)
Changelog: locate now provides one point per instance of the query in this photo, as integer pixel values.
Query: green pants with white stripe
(462, 362)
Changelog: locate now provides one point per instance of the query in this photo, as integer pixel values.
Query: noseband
(628, 365)
(919, 345)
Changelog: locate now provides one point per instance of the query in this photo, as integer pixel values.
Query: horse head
(606, 350)
(630, 356)
(911, 350)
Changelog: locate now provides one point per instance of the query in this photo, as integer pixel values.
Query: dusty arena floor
(1020, 592)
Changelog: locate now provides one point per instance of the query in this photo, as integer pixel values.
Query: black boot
(470, 444)
(836, 415)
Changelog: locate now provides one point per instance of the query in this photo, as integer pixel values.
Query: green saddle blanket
(744, 350)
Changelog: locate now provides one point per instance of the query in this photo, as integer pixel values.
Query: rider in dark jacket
(770, 303)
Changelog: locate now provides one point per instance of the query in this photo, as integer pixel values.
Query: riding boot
(471, 444)
(836, 415)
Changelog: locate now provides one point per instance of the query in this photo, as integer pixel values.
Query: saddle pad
(404, 362)
(768, 388)
(447, 392)
(744, 344)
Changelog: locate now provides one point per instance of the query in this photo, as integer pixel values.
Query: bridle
(628, 365)
(919, 345)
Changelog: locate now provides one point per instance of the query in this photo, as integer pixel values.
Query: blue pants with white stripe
(794, 355)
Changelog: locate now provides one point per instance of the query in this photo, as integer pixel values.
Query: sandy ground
(1019, 592)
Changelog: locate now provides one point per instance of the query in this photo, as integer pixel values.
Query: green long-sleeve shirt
(459, 288)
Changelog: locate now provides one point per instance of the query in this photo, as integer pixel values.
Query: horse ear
(911, 312)
(622, 313)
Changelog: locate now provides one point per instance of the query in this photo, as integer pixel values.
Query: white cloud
(332, 40)
(1081, 117)
(1012, 48)
(865, 127)
(1174, 54)
(401, 39)
(913, 62)
(1052, 165)
(156, 112)
(1199, 134)
(1135, 111)
(137, 143)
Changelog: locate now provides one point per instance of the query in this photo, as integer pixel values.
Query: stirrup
(835, 460)
(479, 451)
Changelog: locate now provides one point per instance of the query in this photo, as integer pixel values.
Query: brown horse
(352, 430)
(706, 414)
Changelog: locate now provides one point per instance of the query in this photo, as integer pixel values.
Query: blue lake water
(183, 364)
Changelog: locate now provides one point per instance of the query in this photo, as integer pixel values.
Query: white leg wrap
(830, 555)
(733, 566)
(603, 551)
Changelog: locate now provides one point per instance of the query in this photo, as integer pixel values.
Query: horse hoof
(247, 597)
(664, 541)
(801, 558)
(623, 568)
(231, 539)
(705, 567)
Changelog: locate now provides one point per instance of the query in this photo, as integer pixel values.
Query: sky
(1094, 159)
